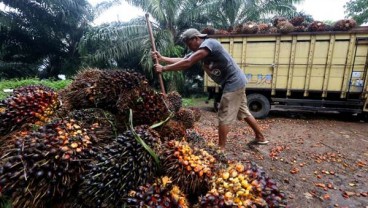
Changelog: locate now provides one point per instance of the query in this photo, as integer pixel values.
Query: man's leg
(245, 114)
(223, 131)
(252, 122)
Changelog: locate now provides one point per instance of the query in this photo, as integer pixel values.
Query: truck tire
(259, 106)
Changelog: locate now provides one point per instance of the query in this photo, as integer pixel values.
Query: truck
(318, 71)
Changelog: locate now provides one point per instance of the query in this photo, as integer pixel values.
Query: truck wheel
(259, 106)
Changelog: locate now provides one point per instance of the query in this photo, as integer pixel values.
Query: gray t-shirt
(221, 67)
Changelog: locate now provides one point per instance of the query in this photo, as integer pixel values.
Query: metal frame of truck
(305, 70)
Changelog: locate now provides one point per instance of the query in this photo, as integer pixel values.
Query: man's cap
(191, 33)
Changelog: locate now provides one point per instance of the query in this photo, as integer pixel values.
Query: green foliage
(12, 84)
(194, 101)
(358, 10)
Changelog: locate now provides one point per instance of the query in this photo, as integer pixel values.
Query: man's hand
(156, 55)
(159, 68)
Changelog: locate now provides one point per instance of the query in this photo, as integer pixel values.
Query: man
(221, 67)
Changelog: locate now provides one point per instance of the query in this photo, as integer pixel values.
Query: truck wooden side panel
(329, 62)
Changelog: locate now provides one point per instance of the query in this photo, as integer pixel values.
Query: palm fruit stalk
(174, 101)
(121, 166)
(285, 27)
(249, 28)
(32, 104)
(190, 168)
(163, 193)
(172, 130)
(243, 186)
(97, 88)
(148, 106)
(344, 25)
(186, 116)
(43, 165)
(316, 26)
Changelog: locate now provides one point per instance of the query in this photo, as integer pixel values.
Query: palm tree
(118, 44)
(229, 13)
(44, 34)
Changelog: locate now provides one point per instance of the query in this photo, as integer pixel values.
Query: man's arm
(184, 63)
(164, 59)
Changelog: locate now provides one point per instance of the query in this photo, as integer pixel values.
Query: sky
(320, 10)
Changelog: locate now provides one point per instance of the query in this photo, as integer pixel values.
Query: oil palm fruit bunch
(250, 28)
(196, 112)
(186, 116)
(148, 106)
(238, 29)
(102, 122)
(82, 91)
(299, 28)
(172, 130)
(316, 26)
(163, 193)
(208, 31)
(344, 25)
(196, 140)
(223, 32)
(277, 20)
(285, 27)
(98, 88)
(44, 164)
(32, 104)
(273, 30)
(297, 20)
(263, 28)
(119, 167)
(234, 187)
(190, 168)
(174, 101)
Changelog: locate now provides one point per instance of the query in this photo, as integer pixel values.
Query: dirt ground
(317, 159)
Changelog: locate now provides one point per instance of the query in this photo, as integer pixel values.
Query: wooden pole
(154, 50)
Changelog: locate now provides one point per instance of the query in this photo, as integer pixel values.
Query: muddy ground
(317, 159)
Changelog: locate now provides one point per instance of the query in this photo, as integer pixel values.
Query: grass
(194, 102)
(15, 83)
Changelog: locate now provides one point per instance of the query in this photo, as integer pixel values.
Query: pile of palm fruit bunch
(243, 186)
(162, 193)
(283, 25)
(108, 140)
(32, 104)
